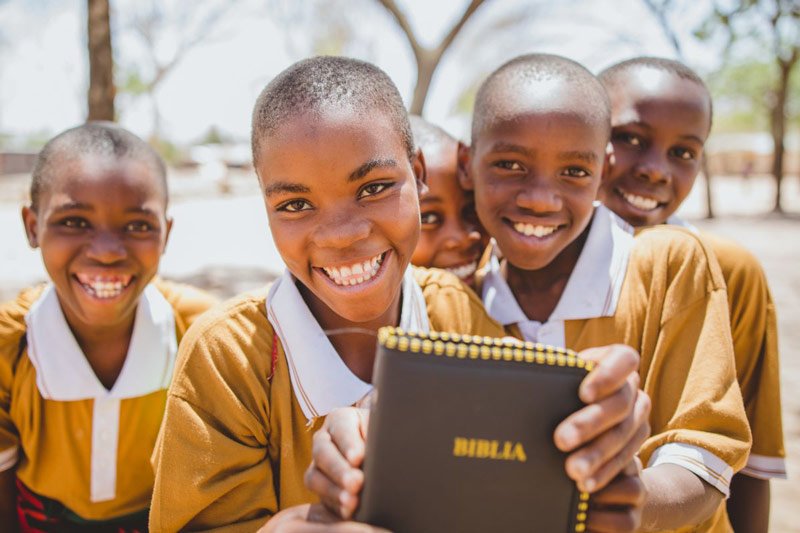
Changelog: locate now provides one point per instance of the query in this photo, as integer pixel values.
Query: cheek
(289, 240)
(148, 252)
(425, 250)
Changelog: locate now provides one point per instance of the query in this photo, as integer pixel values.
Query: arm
(676, 498)
(748, 506)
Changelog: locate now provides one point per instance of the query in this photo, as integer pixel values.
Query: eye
(508, 165)
(75, 223)
(429, 218)
(294, 206)
(683, 153)
(139, 226)
(629, 138)
(371, 189)
(576, 172)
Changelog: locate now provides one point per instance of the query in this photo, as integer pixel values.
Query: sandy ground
(222, 242)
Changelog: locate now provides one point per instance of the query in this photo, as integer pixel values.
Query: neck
(539, 291)
(354, 341)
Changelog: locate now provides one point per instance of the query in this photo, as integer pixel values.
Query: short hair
(611, 77)
(318, 83)
(530, 68)
(428, 134)
(95, 138)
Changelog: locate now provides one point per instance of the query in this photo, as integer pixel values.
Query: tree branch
(448, 40)
(402, 21)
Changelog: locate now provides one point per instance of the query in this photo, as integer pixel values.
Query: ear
(30, 220)
(464, 177)
(420, 172)
(609, 161)
(170, 220)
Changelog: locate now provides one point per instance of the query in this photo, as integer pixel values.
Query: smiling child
(85, 360)
(256, 377)
(575, 275)
(660, 118)
(451, 237)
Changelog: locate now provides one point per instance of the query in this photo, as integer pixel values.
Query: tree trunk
(101, 62)
(426, 66)
(707, 179)
(779, 130)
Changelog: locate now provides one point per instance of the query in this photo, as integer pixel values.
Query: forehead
(329, 142)
(647, 90)
(105, 178)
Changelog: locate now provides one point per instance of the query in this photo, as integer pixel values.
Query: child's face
(341, 197)
(660, 123)
(536, 176)
(102, 227)
(451, 237)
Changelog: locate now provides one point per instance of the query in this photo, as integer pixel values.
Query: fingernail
(350, 479)
(569, 436)
(590, 484)
(345, 498)
(581, 466)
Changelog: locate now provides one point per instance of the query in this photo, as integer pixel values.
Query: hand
(617, 508)
(313, 518)
(605, 435)
(337, 453)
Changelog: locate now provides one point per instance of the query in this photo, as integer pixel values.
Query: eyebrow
(285, 187)
(430, 199)
(694, 138)
(365, 169)
(505, 147)
(586, 157)
(142, 210)
(72, 206)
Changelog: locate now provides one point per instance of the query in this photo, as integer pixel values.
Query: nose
(539, 197)
(341, 229)
(653, 167)
(460, 235)
(106, 247)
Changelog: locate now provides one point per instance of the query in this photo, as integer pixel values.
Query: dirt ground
(221, 241)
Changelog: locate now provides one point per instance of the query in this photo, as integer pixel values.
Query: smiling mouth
(643, 203)
(534, 230)
(104, 287)
(355, 273)
(464, 271)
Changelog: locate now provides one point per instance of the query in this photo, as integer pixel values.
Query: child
(335, 159)
(660, 118)
(451, 237)
(575, 276)
(85, 361)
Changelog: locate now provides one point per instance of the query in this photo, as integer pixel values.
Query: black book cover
(461, 436)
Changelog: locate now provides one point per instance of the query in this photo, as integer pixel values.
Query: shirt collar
(64, 374)
(320, 379)
(594, 286)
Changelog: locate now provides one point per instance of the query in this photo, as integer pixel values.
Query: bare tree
(661, 10)
(101, 62)
(427, 58)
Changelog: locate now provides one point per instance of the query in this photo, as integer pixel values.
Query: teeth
(464, 271)
(640, 202)
(536, 231)
(356, 273)
(104, 286)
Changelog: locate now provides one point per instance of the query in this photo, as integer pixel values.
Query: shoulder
(453, 306)
(12, 326)
(229, 343)
(187, 301)
(734, 258)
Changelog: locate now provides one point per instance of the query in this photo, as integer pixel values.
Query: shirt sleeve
(212, 456)
(755, 345)
(697, 418)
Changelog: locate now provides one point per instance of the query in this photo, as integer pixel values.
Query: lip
(103, 287)
(464, 270)
(376, 278)
(621, 194)
(559, 227)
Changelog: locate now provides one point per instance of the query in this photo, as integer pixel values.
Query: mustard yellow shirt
(49, 442)
(235, 443)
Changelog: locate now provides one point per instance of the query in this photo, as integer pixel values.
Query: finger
(590, 421)
(615, 364)
(613, 521)
(348, 431)
(611, 468)
(620, 442)
(328, 458)
(623, 491)
(334, 498)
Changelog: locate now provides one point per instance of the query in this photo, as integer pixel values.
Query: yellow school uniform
(237, 432)
(662, 293)
(70, 439)
(755, 347)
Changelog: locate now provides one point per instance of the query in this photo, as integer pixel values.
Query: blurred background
(184, 75)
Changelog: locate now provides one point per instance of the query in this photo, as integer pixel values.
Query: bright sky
(44, 68)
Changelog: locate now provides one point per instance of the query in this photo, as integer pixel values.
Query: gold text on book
(489, 449)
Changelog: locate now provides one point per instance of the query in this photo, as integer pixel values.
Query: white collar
(675, 220)
(320, 379)
(594, 286)
(64, 374)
